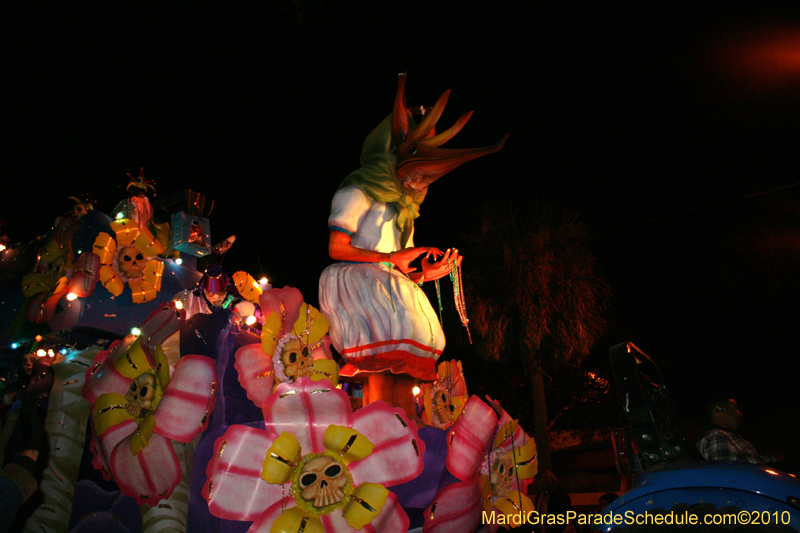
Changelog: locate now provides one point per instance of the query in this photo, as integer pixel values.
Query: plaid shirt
(719, 444)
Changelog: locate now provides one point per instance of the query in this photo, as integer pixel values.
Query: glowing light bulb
(136, 332)
(38, 338)
(72, 296)
(178, 304)
(250, 320)
(415, 390)
(64, 351)
(51, 353)
(2, 247)
(40, 352)
(120, 216)
(14, 345)
(263, 281)
(179, 261)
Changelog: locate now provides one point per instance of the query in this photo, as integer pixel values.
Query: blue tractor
(671, 492)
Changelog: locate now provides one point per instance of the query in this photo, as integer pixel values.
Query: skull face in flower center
(140, 395)
(502, 471)
(322, 481)
(297, 360)
(131, 262)
(443, 407)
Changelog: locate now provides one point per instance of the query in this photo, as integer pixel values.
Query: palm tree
(533, 294)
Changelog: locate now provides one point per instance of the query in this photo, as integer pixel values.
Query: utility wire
(695, 209)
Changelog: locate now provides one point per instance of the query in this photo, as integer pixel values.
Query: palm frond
(533, 285)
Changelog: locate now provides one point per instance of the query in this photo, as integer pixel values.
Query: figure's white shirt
(370, 223)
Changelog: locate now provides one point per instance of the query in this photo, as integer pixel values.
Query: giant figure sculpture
(380, 319)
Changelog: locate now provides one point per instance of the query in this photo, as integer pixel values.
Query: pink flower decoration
(285, 303)
(494, 459)
(85, 275)
(382, 449)
(159, 325)
(138, 409)
(286, 317)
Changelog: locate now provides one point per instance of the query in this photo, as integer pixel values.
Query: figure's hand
(402, 258)
(439, 269)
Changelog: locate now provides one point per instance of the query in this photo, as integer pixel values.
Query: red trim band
(396, 361)
(412, 342)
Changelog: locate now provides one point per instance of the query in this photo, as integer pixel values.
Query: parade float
(183, 398)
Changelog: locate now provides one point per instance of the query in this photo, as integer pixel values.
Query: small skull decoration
(140, 395)
(443, 407)
(322, 481)
(55, 269)
(131, 262)
(81, 209)
(295, 358)
(502, 475)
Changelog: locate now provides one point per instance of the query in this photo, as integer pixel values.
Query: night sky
(674, 132)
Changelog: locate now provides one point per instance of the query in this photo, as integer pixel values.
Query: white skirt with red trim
(380, 320)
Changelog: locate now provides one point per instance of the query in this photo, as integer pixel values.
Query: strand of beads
(439, 296)
(458, 295)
